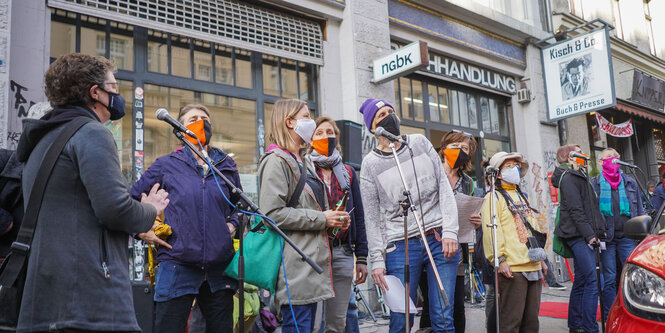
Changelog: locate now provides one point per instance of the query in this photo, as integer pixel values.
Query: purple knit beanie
(369, 109)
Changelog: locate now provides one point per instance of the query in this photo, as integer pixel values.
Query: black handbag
(14, 267)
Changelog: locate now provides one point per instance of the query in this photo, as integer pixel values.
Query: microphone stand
(645, 193)
(407, 204)
(245, 203)
(596, 249)
(494, 225)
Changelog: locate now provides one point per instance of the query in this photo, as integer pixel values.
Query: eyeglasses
(114, 84)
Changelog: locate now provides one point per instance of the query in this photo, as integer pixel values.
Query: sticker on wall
(138, 124)
(139, 139)
(138, 93)
(139, 114)
(138, 104)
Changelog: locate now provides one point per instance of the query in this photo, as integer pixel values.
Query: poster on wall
(578, 75)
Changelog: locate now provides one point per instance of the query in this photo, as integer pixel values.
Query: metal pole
(494, 243)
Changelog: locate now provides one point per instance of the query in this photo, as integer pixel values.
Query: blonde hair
(279, 133)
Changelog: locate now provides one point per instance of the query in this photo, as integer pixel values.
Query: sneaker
(557, 286)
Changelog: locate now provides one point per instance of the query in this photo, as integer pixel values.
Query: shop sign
(622, 130)
(403, 61)
(461, 71)
(648, 91)
(578, 75)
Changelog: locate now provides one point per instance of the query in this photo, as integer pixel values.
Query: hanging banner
(622, 130)
(578, 75)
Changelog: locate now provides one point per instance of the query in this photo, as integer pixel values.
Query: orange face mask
(455, 157)
(202, 130)
(581, 161)
(325, 146)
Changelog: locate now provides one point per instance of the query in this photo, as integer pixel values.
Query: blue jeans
(617, 249)
(304, 316)
(447, 268)
(352, 325)
(583, 304)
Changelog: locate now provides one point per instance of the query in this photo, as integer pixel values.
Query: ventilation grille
(227, 22)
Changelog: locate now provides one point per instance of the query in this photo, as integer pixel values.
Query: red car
(640, 306)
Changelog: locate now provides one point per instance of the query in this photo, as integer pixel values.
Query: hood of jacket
(35, 129)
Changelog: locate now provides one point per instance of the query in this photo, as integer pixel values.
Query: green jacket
(305, 225)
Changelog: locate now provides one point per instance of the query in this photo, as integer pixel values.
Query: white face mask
(305, 128)
(511, 175)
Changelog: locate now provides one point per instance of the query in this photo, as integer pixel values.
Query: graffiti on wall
(19, 106)
(541, 218)
(550, 161)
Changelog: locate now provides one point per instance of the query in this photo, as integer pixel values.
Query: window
(233, 123)
(122, 131)
(287, 78)
(122, 51)
(180, 56)
(618, 24)
(63, 39)
(649, 27)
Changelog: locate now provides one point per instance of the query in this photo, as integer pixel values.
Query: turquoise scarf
(605, 199)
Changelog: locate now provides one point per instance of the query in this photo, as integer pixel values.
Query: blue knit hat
(369, 109)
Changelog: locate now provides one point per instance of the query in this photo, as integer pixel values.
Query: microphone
(626, 164)
(578, 155)
(490, 170)
(163, 115)
(380, 131)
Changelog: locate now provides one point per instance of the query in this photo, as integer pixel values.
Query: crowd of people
(77, 274)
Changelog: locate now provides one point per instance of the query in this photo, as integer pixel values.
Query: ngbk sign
(403, 61)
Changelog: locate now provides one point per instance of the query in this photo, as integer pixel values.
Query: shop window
(432, 99)
(93, 41)
(494, 114)
(270, 75)
(405, 101)
(443, 104)
(503, 120)
(243, 69)
(158, 52)
(472, 108)
(122, 51)
(202, 61)
(306, 82)
(494, 146)
(63, 39)
(455, 111)
(122, 131)
(223, 64)
(411, 130)
(417, 87)
(233, 121)
(659, 143)
(463, 108)
(485, 113)
(289, 79)
(181, 64)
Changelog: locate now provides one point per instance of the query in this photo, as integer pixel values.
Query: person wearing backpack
(77, 274)
(581, 226)
(619, 200)
(519, 251)
(340, 178)
(303, 216)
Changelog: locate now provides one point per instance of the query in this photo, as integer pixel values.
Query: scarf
(333, 162)
(605, 199)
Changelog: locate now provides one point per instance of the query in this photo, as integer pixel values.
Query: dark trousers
(519, 304)
(303, 316)
(217, 308)
(459, 317)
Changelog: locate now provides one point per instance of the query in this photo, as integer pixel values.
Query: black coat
(579, 214)
(11, 199)
(78, 274)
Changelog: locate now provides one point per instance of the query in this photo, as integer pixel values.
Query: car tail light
(644, 293)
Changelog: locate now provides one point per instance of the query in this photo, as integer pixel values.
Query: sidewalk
(475, 316)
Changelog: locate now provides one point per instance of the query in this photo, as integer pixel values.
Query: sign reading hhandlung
(578, 75)
(405, 60)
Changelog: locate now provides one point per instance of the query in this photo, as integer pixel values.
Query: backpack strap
(20, 249)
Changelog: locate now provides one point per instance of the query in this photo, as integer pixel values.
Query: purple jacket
(197, 212)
